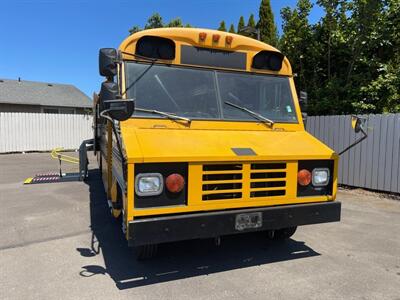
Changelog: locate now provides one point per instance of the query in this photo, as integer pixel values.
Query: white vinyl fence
(43, 132)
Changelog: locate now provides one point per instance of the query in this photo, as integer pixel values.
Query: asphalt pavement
(58, 241)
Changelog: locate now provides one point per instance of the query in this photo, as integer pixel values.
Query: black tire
(145, 252)
(284, 233)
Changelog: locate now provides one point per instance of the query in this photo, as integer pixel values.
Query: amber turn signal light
(304, 177)
(175, 183)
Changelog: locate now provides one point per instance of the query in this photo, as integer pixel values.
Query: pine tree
(240, 25)
(222, 26)
(232, 29)
(251, 30)
(251, 23)
(266, 24)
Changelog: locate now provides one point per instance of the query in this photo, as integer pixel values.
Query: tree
(348, 61)
(134, 29)
(155, 21)
(177, 22)
(251, 22)
(251, 30)
(297, 43)
(222, 26)
(266, 24)
(240, 25)
(232, 29)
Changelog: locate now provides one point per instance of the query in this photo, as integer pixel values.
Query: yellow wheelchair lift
(54, 177)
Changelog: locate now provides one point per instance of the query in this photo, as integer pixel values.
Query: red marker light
(175, 183)
(216, 38)
(202, 36)
(229, 39)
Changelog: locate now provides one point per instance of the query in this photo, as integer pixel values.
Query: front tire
(145, 251)
(284, 233)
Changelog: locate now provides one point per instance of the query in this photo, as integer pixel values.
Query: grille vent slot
(267, 180)
(222, 181)
(226, 181)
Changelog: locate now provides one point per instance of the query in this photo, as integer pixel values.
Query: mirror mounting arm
(357, 127)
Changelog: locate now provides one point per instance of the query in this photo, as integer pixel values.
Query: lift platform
(56, 177)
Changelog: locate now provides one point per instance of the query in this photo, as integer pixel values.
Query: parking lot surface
(58, 241)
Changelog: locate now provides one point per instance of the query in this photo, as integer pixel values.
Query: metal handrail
(55, 153)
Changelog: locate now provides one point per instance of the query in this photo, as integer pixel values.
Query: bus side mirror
(112, 104)
(109, 91)
(357, 123)
(303, 101)
(108, 61)
(119, 110)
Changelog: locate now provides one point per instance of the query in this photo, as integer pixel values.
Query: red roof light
(202, 36)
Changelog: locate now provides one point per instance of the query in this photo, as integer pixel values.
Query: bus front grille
(227, 181)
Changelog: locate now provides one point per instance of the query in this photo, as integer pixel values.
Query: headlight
(320, 177)
(149, 184)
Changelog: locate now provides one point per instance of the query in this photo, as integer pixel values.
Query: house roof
(42, 93)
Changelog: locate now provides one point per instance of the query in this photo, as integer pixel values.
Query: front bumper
(161, 229)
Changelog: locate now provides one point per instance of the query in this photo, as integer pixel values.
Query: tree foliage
(177, 22)
(240, 25)
(251, 22)
(222, 26)
(348, 62)
(266, 24)
(134, 29)
(232, 29)
(156, 21)
(251, 27)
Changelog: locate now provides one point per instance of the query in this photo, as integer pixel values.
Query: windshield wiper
(165, 114)
(257, 116)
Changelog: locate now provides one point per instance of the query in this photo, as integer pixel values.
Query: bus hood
(179, 145)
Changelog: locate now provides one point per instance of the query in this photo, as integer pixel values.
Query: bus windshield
(203, 94)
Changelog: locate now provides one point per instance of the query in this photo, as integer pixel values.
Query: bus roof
(191, 37)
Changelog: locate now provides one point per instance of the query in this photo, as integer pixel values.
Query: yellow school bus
(199, 134)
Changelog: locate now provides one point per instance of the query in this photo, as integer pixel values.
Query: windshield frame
(220, 101)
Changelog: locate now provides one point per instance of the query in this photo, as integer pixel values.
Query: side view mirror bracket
(358, 125)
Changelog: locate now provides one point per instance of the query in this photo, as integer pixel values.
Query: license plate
(250, 220)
